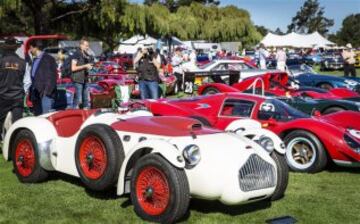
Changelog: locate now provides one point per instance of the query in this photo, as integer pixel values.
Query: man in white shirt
(176, 62)
(263, 54)
(280, 59)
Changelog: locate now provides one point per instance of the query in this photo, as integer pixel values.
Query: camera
(149, 54)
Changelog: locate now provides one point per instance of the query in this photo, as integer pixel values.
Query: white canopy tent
(131, 45)
(297, 40)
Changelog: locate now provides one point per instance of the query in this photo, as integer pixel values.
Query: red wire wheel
(93, 158)
(152, 191)
(25, 157)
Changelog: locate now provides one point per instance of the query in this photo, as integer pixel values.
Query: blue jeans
(43, 105)
(149, 89)
(81, 95)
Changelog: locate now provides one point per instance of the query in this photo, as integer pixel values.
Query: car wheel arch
(332, 107)
(142, 150)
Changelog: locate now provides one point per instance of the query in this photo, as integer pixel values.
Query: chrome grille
(256, 174)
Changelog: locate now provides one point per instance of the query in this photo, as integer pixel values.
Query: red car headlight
(352, 143)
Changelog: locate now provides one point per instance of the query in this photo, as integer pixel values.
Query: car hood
(164, 126)
(344, 119)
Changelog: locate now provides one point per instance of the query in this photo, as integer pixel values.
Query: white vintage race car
(160, 161)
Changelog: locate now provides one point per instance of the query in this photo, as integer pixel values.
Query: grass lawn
(335, 72)
(328, 197)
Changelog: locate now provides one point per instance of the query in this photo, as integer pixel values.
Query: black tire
(24, 149)
(210, 91)
(326, 86)
(282, 175)
(178, 188)
(110, 146)
(310, 143)
(331, 110)
(202, 120)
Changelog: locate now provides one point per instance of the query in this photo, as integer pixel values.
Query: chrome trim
(45, 155)
(256, 174)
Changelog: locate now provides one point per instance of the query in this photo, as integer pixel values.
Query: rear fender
(219, 86)
(165, 149)
(44, 132)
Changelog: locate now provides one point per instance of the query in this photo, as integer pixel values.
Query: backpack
(66, 67)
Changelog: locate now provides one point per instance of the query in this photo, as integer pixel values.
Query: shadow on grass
(341, 169)
(205, 206)
(109, 194)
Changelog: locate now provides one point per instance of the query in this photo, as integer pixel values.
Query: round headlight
(267, 143)
(192, 155)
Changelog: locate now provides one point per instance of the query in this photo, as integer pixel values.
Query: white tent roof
(131, 45)
(296, 40)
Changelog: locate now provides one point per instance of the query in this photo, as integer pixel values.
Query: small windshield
(278, 110)
(303, 68)
(204, 66)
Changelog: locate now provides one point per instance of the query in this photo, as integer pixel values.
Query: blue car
(306, 76)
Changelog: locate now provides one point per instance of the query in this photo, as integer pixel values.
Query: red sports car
(276, 83)
(310, 141)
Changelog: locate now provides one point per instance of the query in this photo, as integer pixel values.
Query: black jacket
(12, 71)
(44, 82)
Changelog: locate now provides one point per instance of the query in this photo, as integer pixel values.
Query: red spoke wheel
(26, 158)
(152, 191)
(93, 157)
(159, 191)
(98, 156)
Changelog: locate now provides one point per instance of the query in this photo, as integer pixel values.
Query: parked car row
(247, 127)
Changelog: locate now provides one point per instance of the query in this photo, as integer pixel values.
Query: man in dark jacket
(12, 70)
(43, 79)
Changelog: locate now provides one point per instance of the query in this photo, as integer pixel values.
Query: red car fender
(343, 92)
(330, 136)
(219, 86)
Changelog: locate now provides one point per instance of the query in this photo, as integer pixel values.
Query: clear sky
(278, 13)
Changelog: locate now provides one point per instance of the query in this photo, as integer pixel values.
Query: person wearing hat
(12, 70)
(349, 61)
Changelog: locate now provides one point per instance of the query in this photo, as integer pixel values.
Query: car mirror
(316, 113)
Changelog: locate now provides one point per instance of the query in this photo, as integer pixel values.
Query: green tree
(350, 31)
(310, 18)
(278, 31)
(262, 30)
(173, 5)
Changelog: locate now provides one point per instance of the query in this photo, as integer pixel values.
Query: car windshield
(207, 65)
(303, 68)
(278, 110)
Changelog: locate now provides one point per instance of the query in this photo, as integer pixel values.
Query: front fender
(252, 129)
(44, 132)
(162, 147)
